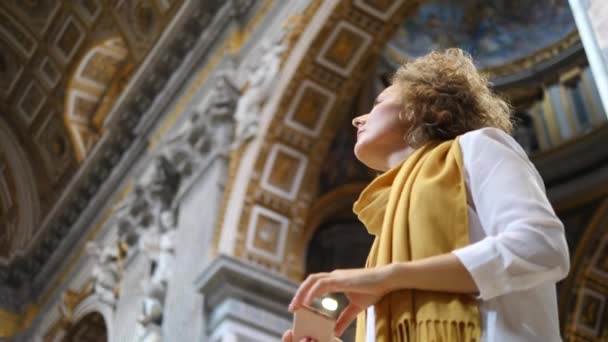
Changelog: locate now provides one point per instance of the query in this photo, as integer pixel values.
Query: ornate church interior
(171, 170)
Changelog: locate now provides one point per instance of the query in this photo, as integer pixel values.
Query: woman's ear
(401, 116)
(405, 116)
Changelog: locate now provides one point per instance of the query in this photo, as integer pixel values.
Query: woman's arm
(443, 273)
(525, 244)
(365, 286)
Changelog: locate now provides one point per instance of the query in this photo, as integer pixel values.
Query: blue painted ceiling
(495, 32)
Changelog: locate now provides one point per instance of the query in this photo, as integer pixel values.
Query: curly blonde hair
(444, 96)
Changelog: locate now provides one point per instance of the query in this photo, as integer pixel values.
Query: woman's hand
(363, 287)
(288, 337)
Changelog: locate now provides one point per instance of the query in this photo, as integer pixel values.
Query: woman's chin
(359, 152)
(364, 156)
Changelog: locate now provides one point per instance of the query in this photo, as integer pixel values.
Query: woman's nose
(358, 121)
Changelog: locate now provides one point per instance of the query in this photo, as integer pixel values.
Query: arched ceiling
(52, 52)
(94, 85)
(90, 328)
(496, 32)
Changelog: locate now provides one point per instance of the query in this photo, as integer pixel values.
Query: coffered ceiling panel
(62, 65)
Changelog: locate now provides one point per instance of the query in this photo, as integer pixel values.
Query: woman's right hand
(288, 337)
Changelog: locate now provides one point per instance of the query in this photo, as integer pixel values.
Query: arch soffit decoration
(95, 84)
(584, 296)
(324, 208)
(92, 304)
(273, 180)
(75, 306)
(92, 326)
(19, 202)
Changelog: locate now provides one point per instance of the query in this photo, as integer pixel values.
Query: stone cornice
(570, 159)
(575, 172)
(186, 41)
(227, 279)
(543, 71)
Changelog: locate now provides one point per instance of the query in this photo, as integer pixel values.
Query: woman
(467, 247)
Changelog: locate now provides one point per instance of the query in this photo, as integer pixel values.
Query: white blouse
(518, 250)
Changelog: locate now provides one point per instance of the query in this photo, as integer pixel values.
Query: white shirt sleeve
(524, 244)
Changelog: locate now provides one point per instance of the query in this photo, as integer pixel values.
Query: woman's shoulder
(490, 141)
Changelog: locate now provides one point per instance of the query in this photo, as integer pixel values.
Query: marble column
(591, 18)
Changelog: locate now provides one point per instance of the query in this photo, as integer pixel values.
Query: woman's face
(380, 143)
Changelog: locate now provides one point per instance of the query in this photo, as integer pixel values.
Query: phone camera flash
(329, 304)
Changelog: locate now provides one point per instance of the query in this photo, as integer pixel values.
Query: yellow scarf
(416, 210)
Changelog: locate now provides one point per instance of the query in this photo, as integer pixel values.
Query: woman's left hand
(362, 286)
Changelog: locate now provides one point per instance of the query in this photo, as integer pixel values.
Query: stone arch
(332, 225)
(95, 84)
(272, 184)
(90, 328)
(324, 207)
(584, 297)
(19, 200)
(92, 304)
(78, 311)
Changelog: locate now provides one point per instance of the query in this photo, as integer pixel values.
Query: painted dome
(495, 32)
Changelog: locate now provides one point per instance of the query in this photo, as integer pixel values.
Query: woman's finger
(348, 315)
(320, 288)
(288, 336)
(303, 290)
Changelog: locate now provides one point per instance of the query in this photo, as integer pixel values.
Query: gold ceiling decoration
(94, 86)
(70, 301)
(62, 66)
(282, 184)
(584, 295)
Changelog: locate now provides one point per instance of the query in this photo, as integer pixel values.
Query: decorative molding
(68, 40)
(31, 102)
(344, 48)
(13, 69)
(54, 146)
(38, 15)
(17, 34)
(267, 233)
(26, 194)
(311, 106)
(381, 13)
(284, 171)
(116, 54)
(6, 200)
(48, 72)
(335, 29)
(599, 261)
(228, 282)
(89, 14)
(584, 292)
(590, 309)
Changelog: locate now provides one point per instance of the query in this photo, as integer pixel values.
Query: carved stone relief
(146, 220)
(261, 80)
(106, 271)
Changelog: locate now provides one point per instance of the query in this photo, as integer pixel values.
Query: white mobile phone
(309, 322)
